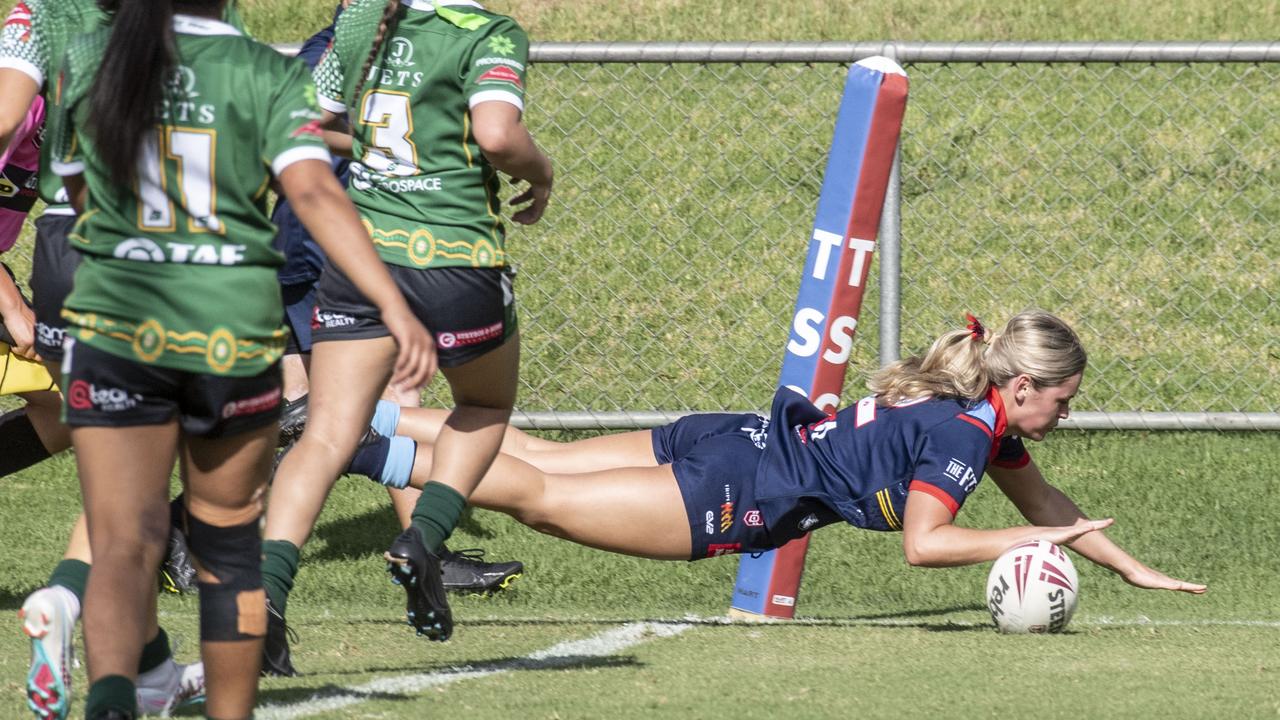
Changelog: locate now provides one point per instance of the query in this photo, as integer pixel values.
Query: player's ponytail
(125, 98)
(953, 367)
(964, 363)
(386, 26)
(1037, 344)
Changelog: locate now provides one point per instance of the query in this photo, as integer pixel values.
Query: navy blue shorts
(714, 458)
(299, 306)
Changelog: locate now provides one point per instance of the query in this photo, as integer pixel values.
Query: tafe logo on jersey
(147, 250)
(401, 53)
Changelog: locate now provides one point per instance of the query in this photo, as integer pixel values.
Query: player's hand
(416, 361)
(1144, 577)
(21, 324)
(1071, 533)
(537, 195)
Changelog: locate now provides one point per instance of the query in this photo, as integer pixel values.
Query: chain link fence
(1130, 188)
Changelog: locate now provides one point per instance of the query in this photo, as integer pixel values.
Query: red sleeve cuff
(937, 492)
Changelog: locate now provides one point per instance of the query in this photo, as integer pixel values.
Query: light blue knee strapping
(399, 465)
(386, 416)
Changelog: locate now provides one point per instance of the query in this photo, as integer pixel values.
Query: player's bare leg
(124, 476)
(630, 449)
(346, 380)
(584, 507)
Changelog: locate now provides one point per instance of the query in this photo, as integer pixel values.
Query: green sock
(72, 575)
(113, 692)
(437, 513)
(279, 568)
(154, 653)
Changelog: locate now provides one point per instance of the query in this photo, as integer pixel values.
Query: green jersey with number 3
(179, 270)
(427, 195)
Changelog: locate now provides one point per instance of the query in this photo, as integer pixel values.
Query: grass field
(875, 636)
(1006, 166)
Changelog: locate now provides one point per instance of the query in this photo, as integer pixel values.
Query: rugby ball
(1032, 588)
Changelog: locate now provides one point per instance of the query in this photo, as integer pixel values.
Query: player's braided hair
(960, 364)
(386, 26)
(130, 83)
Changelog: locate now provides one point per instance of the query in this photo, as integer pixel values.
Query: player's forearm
(950, 546)
(515, 153)
(10, 298)
(18, 90)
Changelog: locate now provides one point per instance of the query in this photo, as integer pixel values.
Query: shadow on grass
(368, 535)
(10, 600)
(411, 681)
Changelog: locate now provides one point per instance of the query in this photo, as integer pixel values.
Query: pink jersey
(19, 174)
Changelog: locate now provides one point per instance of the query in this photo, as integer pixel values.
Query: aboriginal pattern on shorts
(105, 390)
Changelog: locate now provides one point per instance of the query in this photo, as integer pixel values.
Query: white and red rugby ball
(1032, 588)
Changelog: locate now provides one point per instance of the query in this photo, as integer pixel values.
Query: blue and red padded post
(830, 298)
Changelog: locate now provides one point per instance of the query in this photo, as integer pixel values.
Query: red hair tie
(976, 330)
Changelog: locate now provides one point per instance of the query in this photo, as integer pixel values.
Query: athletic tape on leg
(233, 606)
(830, 297)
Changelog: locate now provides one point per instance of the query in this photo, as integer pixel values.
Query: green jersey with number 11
(428, 196)
(179, 269)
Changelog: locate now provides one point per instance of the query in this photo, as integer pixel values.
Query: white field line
(1100, 620)
(563, 654)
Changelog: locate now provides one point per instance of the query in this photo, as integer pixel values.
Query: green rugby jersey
(34, 37)
(179, 270)
(427, 195)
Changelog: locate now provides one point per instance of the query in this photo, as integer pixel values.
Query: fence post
(891, 266)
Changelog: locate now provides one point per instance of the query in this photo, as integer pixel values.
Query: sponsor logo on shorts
(50, 336)
(711, 523)
(808, 522)
(330, 319)
(83, 395)
(726, 510)
(252, 406)
(718, 549)
(784, 600)
(463, 338)
(752, 519)
(501, 74)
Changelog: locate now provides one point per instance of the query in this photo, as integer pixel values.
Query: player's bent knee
(228, 559)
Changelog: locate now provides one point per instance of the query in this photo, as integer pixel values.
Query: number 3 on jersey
(193, 151)
(390, 151)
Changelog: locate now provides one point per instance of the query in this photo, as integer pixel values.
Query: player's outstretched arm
(326, 211)
(929, 539)
(1042, 503)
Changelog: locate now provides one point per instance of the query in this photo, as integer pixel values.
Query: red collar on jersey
(997, 403)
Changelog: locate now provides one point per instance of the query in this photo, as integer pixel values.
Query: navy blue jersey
(862, 462)
(303, 257)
